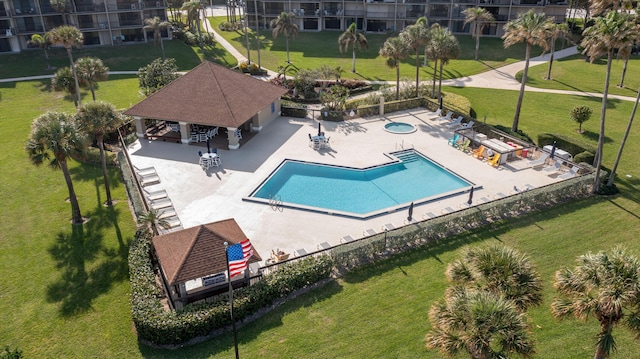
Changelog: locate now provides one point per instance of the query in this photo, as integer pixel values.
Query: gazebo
(211, 95)
(193, 264)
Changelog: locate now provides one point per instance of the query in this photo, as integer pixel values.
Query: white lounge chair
(388, 227)
(347, 239)
(155, 195)
(429, 215)
(145, 171)
(570, 174)
(438, 113)
(455, 123)
(555, 167)
(161, 203)
(447, 117)
(300, 252)
(448, 210)
(148, 180)
(369, 232)
(540, 160)
(466, 125)
(324, 246)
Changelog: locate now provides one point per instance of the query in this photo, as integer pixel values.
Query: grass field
(569, 74)
(65, 290)
(310, 50)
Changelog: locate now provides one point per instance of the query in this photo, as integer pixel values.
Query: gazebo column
(234, 142)
(185, 132)
(141, 128)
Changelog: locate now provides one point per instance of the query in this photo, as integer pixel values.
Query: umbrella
(208, 146)
(470, 197)
(319, 130)
(553, 149)
(410, 212)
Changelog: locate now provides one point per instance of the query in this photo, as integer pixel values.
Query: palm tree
(394, 49)
(193, 9)
(554, 31)
(55, 133)
(156, 25)
(63, 81)
(624, 53)
(612, 176)
(91, 70)
(483, 324)
(354, 39)
(416, 36)
(605, 286)
(443, 47)
(431, 51)
(61, 6)
(285, 24)
(152, 220)
(99, 119)
(478, 18)
(68, 36)
(529, 28)
(501, 271)
(44, 43)
(613, 31)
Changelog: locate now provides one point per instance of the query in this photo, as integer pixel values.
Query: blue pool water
(359, 191)
(400, 127)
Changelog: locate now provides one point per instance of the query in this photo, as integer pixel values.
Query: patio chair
(555, 167)
(571, 173)
(477, 153)
(194, 137)
(447, 117)
(203, 137)
(454, 123)
(540, 160)
(466, 125)
(453, 141)
(494, 161)
(465, 145)
(214, 132)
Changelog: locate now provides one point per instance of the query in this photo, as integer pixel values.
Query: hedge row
(160, 327)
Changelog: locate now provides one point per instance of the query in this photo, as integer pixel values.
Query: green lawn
(117, 58)
(65, 291)
(311, 50)
(571, 74)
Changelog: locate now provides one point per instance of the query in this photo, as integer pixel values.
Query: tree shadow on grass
(88, 266)
(593, 136)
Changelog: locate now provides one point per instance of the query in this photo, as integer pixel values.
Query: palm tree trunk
(516, 117)
(550, 62)
(440, 79)
(397, 80)
(417, 70)
(353, 65)
(624, 140)
(477, 41)
(435, 71)
(75, 77)
(75, 207)
(286, 41)
(105, 174)
(624, 71)
(46, 56)
(598, 159)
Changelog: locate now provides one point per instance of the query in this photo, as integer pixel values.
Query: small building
(193, 263)
(214, 96)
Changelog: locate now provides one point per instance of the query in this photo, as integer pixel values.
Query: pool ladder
(402, 146)
(275, 202)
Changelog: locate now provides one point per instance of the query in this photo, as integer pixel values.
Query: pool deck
(201, 196)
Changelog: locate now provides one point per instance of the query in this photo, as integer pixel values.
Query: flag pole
(233, 321)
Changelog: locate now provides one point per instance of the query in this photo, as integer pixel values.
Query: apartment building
(102, 22)
(391, 15)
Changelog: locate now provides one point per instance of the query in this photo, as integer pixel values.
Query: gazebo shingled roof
(198, 251)
(211, 95)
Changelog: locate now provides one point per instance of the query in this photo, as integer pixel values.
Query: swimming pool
(361, 193)
(400, 127)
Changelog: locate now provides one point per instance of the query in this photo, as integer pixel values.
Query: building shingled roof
(210, 95)
(198, 251)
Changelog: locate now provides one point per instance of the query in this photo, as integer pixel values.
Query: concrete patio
(202, 196)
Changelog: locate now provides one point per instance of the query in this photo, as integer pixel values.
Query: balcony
(24, 11)
(22, 29)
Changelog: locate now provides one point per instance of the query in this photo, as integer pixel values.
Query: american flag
(238, 256)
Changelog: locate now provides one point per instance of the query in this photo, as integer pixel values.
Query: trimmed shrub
(585, 156)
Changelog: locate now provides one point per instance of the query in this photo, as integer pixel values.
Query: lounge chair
(369, 232)
(148, 180)
(494, 161)
(429, 215)
(154, 195)
(555, 167)
(477, 153)
(454, 123)
(438, 113)
(324, 246)
(453, 141)
(570, 174)
(347, 239)
(300, 252)
(166, 213)
(145, 171)
(465, 145)
(466, 125)
(447, 117)
(448, 210)
(161, 203)
(540, 160)
(388, 227)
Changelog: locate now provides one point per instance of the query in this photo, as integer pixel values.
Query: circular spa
(400, 127)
